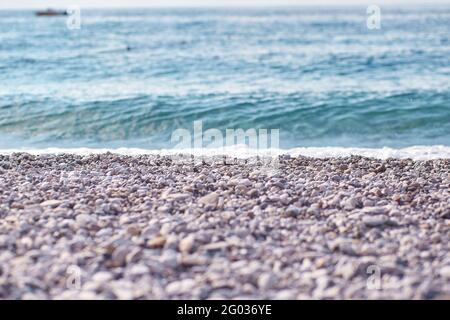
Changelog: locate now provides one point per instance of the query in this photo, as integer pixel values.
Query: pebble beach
(145, 227)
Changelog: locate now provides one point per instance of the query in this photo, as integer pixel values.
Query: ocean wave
(131, 78)
(413, 152)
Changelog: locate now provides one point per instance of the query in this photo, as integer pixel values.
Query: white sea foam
(414, 152)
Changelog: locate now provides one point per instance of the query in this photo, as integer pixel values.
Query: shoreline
(418, 152)
(108, 226)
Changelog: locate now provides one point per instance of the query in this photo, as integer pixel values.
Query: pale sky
(17, 4)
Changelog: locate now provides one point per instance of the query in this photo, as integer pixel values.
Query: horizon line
(249, 6)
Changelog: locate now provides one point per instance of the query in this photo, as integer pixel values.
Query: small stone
(178, 196)
(134, 230)
(169, 259)
(186, 244)
(285, 295)
(16, 205)
(84, 220)
(285, 199)
(252, 193)
(380, 169)
(119, 256)
(346, 270)
(134, 255)
(445, 272)
(347, 248)
(266, 280)
(292, 211)
(245, 182)
(192, 260)
(87, 295)
(51, 203)
(139, 269)
(215, 246)
(102, 277)
(350, 203)
(374, 210)
(150, 231)
(446, 214)
(209, 200)
(180, 287)
(164, 209)
(335, 178)
(156, 242)
(3, 240)
(123, 293)
(374, 221)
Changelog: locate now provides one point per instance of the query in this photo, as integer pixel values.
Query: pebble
(142, 227)
(119, 256)
(186, 244)
(285, 295)
(266, 281)
(374, 221)
(209, 200)
(178, 196)
(292, 211)
(84, 220)
(134, 230)
(102, 277)
(445, 272)
(180, 287)
(374, 210)
(156, 242)
(51, 203)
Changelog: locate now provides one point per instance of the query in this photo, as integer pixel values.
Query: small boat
(51, 13)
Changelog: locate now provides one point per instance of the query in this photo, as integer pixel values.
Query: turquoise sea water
(129, 78)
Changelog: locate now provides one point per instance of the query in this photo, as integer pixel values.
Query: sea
(329, 81)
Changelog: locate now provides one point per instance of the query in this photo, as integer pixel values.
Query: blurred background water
(128, 78)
